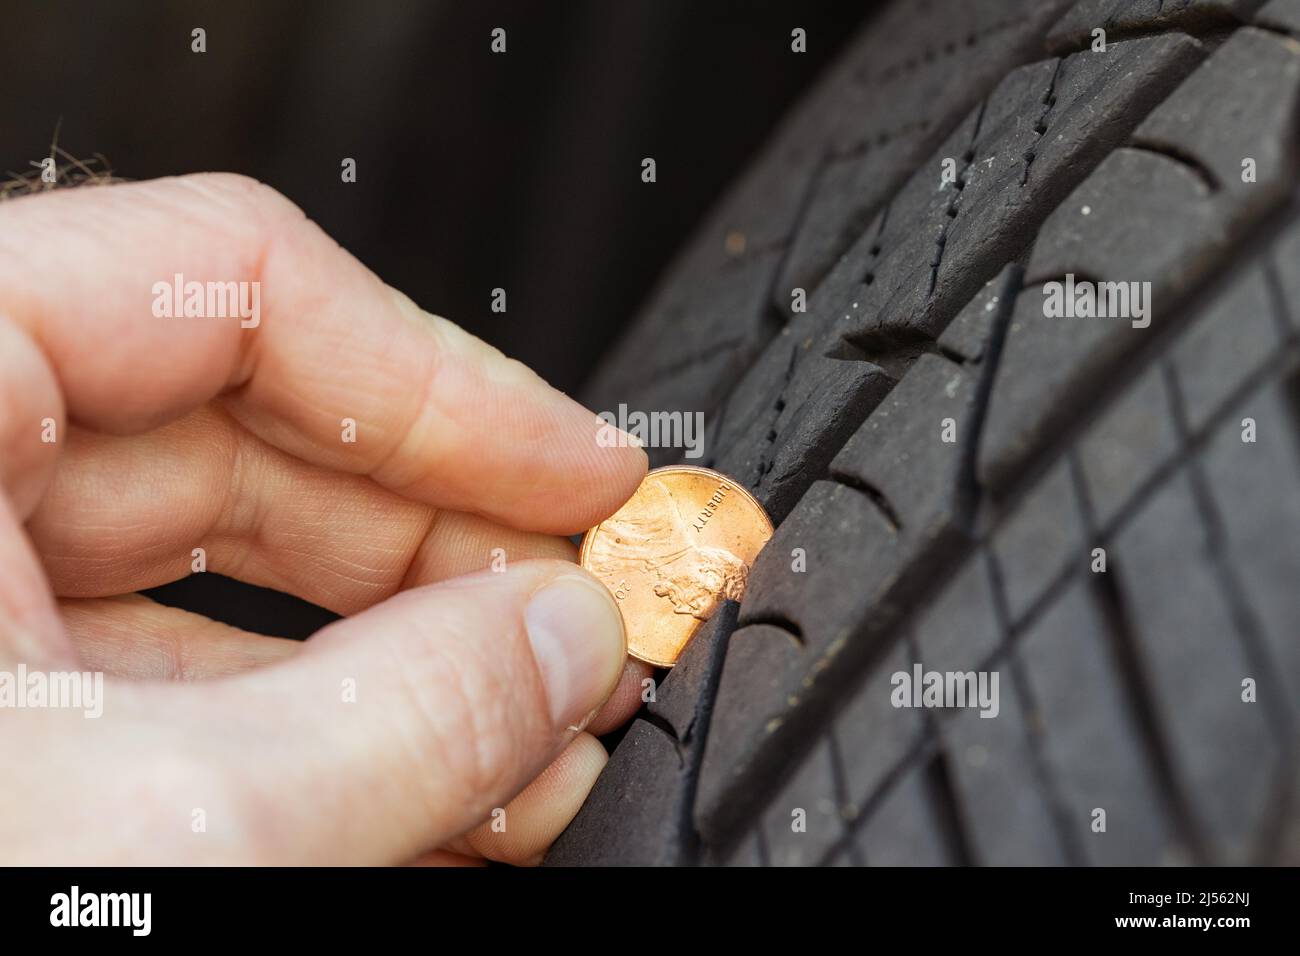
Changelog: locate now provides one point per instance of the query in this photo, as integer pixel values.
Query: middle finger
(127, 513)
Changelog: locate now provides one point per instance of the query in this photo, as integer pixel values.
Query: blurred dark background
(475, 170)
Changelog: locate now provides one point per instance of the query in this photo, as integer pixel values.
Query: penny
(680, 546)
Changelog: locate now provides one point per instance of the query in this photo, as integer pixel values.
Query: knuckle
(236, 188)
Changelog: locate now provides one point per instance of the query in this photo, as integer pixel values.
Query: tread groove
(943, 779)
(842, 799)
(697, 737)
(1280, 310)
(1182, 157)
(970, 490)
(876, 248)
(1105, 593)
(792, 630)
(1040, 128)
(1066, 835)
(1225, 575)
(920, 752)
(893, 350)
(955, 836)
(877, 497)
(764, 464)
(1124, 648)
(954, 205)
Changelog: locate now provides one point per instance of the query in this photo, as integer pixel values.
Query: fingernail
(581, 725)
(577, 636)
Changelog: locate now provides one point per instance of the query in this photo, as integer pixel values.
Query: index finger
(314, 354)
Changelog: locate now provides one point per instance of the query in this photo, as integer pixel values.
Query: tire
(1103, 514)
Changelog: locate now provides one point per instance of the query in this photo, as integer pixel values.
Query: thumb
(407, 724)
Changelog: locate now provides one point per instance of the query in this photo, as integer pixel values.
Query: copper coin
(681, 546)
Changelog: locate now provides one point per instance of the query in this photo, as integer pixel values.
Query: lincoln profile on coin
(656, 539)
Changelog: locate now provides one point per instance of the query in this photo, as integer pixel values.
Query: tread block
(851, 555)
(803, 822)
(1040, 540)
(897, 289)
(749, 711)
(958, 630)
(887, 272)
(1280, 15)
(1242, 103)
(705, 300)
(1041, 131)
(1004, 811)
(751, 408)
(907, 828)
(951, 29)
(1091, 737)
(681, 699)
(912, 450)
(1093, 233)
(631, 817)
(873, 735)
(1285, 254)
(845, 207)
(1051, 365)
(1121, 16)
(897, 111)
(780, 444)
(918, 216)
(855, 556)
(879, 91)
(817, 419)
(892, 290)
(1261, 515)
(1059, 126)
(1221, 748)
(968, 335)
(1124, 448)
(987, 38)
(1234, 337)
(682, 703)
(824, 399)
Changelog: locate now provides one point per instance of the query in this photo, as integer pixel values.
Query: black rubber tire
(1105, 515)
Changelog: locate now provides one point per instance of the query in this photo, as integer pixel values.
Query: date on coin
(681, 546)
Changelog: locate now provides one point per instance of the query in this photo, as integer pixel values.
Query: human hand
(171, 434)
